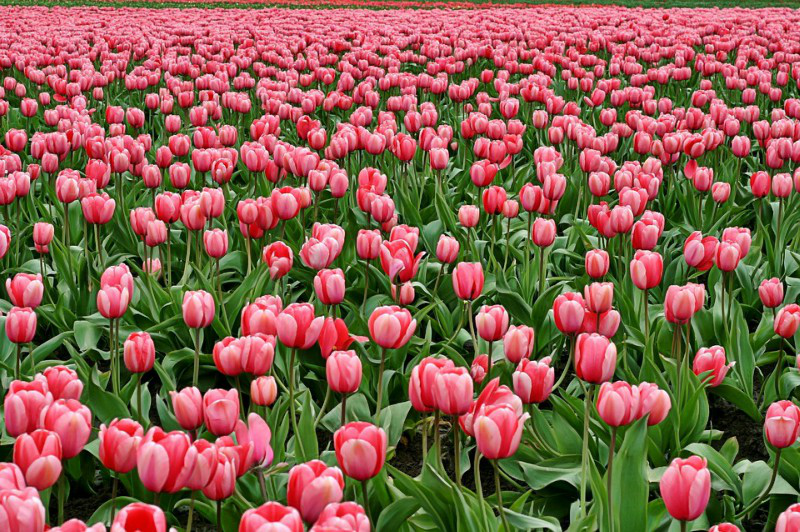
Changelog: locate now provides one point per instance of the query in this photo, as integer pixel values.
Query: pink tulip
(781, 424)
(789, 519)
(391, 327)
(498, 430)
(682, 302)
(38, 456)
(452, 391)
(139, 352)
(257, 434)
(653, 402)
(260, 316)
(597, 263)
(20, 325)
(271, 516)
(165, 460)
(198, 309)
(771, 292)
(63, 382)
(297, 327)
(329, 286)
(220, 411)
(72, 421)
(568, 311)
(188, 407)
(343, 371)
(518, 343)
(617, 403)
(223, 479)
(787, 320)
(686, 488)
(468, 280)
(533, 381)
(119, 443)
(312, 486)
(711, 359)
(543, 232)
(23, 405)
(599, 297)
(205, 465)
(360, 449)
(595, 358)
(25, 290)
(263, 391)
(11, 477)
(647, 268)
(345, 515)
(21, 510)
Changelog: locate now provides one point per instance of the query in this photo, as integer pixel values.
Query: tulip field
(461, 268)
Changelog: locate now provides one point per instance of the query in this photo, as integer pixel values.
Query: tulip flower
(260, 316)
(23, 405)
(263, 391)
(711, 359)
(518, 343)
(38, 456)
(140, 516)
(533, 381)
(390, 327)
(346, 514)
(220, 411)
(271, 515)
(312, 486)
(789, 519)
(686, 488)
(770, 291)
(20, 329)
(188, 407)
(165, 460)
(11, 477)
(25, 290)
(198, 313)
(21, 510)
(343, 372)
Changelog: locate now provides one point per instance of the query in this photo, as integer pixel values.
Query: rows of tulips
(420, 270)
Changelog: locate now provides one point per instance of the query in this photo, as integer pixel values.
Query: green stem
(366, 501)
(457, 451)
(139, 400)
(764, 494)
(437, 439)
(19, 357)
(344, 410)
(323, 407)
(291, 396)
(499, 494)
(114, 488)
(778, 367)
(196, 370)
(113, 357)
(61, 496)
(219, 514)
(585, 449)
(380, 386)
(191, 512)
(609, 474)
(366, 285)
(424, 439)
(541, 271)
(569, 362)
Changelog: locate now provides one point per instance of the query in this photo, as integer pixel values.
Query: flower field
(442, 269)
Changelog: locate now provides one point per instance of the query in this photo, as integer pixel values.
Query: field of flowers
(492, 269)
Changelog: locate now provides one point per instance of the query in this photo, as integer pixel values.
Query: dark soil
(408, 459)
(749, 433)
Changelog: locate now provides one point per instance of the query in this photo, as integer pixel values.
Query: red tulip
(139, 516)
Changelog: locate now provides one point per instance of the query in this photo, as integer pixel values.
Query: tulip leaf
(630, 489)
(305, 442)
(396, 513)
